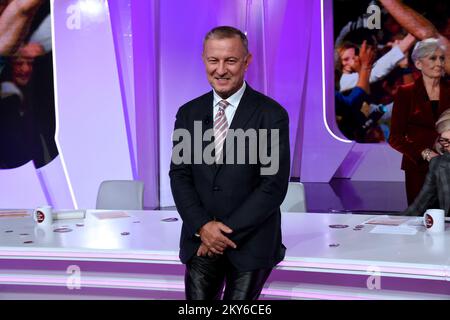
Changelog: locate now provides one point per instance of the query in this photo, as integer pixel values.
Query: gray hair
(426, 47)
(226, 32)
(443, 123)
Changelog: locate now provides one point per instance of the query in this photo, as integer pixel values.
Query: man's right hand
(212, 236)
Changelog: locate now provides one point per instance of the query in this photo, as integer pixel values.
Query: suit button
(216, 188)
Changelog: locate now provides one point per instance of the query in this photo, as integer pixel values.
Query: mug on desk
(434, 220)
(43, 216)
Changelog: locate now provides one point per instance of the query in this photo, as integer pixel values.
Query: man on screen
(231, 211)
(18, 136)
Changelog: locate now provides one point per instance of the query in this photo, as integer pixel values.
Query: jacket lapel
(205, 115)
(245, 110)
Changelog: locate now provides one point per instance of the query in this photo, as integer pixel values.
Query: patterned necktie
(220, 129)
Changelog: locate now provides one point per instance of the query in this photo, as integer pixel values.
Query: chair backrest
(295, 200)
(121, 195)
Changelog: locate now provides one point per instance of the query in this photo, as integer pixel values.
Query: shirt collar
(232, 100)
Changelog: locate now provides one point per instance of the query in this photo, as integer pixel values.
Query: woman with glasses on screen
(416, 108)
(437, 182)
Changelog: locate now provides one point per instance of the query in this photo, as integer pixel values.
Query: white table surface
(307, 237)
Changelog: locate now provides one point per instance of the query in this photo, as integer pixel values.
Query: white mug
(43, 216)
(434, 220)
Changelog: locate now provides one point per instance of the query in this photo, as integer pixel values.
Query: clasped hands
(213, 239)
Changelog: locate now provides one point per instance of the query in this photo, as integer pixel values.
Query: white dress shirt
(233, 103)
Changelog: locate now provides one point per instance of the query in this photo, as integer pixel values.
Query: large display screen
(27, 107)
(384, 28)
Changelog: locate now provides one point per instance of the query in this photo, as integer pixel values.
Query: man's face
(22, 70)
(226, 62)
(22, 65)
(348, 59)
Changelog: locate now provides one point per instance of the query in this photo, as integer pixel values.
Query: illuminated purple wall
(123, 68)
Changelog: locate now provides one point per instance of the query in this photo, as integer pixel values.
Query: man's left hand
(204, 251)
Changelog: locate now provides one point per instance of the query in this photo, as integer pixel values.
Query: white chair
(121, 195)
(295, 200)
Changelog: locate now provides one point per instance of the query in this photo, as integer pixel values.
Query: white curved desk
(408, 266)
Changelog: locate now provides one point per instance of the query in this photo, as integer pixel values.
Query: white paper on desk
(387, 220)
(110, 215)
(403, 230)
(14, 213)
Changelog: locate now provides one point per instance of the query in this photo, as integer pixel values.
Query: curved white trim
(322, 27)
(55, 84)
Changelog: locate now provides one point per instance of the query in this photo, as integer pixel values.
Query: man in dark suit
(231, 211)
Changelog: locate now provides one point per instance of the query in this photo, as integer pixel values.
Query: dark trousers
(205, 278)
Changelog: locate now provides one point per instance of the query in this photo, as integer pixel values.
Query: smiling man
(226, 61)
(231, 232)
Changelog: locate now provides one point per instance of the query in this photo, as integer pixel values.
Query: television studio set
(234, 150)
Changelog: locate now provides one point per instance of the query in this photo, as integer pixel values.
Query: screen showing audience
(363, 113)
(27, 107)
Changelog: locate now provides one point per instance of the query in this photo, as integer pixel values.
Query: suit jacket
(235, 194)
(16, 143)
(437, 185)
(413, 122)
